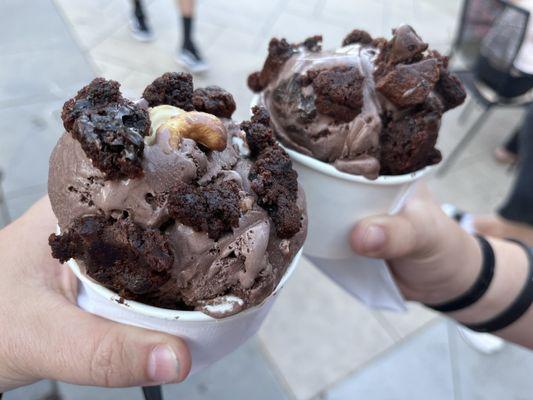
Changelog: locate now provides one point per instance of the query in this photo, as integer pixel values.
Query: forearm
(510, 275)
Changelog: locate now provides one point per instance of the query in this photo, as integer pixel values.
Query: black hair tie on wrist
(518, 308)
(480, 286)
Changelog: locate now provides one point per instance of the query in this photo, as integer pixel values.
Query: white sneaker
(465, 220)
(483, 342)
(191, 61)
(140, 30)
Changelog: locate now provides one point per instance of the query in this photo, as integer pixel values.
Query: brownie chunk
(409, 84)
(214, 100)
(275, 183)
(214, 208)
(110, 129)
(172, 88)
(357, 36)
(313, 43)
(339, 92)
(120, 254)
(408, 141)
(450, 89)
(279, 51)
(259, 134)
(405, 45)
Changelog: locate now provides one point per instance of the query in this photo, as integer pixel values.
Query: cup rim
(328, 169)
(170, 314)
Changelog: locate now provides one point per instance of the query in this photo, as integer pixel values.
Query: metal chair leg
(153, 392)
(466, 111)
(463, 143)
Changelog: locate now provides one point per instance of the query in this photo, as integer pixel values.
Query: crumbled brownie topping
(110, 129)
(279, 51)
(259, 135)
(272, 177)
(172, 88)
(213, 208)
(313, 43)
(254, 82)
(379, 43)
(275, 182)
(338, 90)
(214, 100)
(450, 89)
(405, 46)
(408, 142)
(120, 254)
(357, 36)
(409, 84)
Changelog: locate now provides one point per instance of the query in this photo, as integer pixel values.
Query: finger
(386, 237)
(85, 349)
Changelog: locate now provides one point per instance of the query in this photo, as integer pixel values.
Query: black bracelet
(518, 308)
(479, 287)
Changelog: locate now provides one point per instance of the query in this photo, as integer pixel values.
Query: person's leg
(140, 29)
(189, 56)
(508, 152)
(512, 143)
(519, 205)
(515, 217)
(186, 8)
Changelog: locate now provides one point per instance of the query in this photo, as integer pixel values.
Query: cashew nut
(201, 127)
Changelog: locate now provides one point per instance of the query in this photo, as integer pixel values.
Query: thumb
(386, 237)
(85, 349)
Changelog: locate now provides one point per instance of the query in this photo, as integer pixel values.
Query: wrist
(510, 274)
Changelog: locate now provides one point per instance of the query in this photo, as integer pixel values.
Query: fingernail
(163, 365)
(373, 239)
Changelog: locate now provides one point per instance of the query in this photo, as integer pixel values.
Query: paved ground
(318, 343)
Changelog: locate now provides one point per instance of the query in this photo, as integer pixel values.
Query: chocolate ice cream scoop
(370, 107)
(197, 224)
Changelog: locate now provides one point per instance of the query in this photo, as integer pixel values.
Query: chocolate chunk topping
(214, 208)
(313, 43)
(275, 183)
(109, 128)
(279, 51)
(357, 36)
(405, 45)
(408, 85)
(450, 89)
(339, 92)
(172, 88)
(259, 134)
(120, 254)
(254, 82)
(272, 177)
(408, 142)
(214, 100)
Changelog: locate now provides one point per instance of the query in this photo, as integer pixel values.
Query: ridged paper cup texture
(336, 201)
(209, 339)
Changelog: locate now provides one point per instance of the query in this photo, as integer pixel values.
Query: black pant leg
(519, 205)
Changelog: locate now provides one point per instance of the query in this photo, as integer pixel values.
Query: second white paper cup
(208, 339)
(336, 201)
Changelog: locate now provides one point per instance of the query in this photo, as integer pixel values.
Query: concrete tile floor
(417, 370)
(306, 347)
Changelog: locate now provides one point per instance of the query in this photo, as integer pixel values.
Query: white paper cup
(337, 200)
(208, 339)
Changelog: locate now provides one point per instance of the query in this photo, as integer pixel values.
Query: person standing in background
(188, 56)
(515, 216)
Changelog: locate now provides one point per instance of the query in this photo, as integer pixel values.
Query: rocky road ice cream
(372, 107)
(169, 202)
